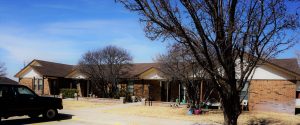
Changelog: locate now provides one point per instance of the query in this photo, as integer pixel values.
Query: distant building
(275, 85)
(5, 80)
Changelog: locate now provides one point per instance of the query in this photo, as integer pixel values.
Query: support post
(179, 92)
(87, 88)
(201, 91)
(167, 91)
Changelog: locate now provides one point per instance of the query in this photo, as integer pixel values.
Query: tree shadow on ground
(34, 120)
(263, 121)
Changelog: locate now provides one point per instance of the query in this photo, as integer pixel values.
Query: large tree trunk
(231, 107)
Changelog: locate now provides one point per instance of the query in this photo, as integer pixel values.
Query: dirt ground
(72, 104)
(95, 113)
(211, 117)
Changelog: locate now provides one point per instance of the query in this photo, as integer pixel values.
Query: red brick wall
(272, 95)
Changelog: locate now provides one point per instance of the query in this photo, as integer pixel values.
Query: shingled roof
(5, 80)
(288, 64)
(139, 68)
(47, 68)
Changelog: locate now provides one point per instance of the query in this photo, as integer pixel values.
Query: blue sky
(63, 30)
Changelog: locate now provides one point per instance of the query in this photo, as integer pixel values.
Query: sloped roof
(290, 64)
(5, 80)
(139, 68)
(47, 68)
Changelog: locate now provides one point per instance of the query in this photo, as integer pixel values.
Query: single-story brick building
(275, 86)
(5, 80)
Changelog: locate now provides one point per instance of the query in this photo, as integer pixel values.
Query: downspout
(33, 87)
(167, 91)
(179, 91)
(43, 85)
(201, 91)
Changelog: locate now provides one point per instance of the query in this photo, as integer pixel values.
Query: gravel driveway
(94, 116)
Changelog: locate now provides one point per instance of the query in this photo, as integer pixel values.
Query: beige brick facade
(272, 95)
(27, 82)
(46, 87)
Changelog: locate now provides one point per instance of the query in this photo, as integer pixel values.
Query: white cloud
(143, 50)
(25, 49)
(102, 28)
(65, 42)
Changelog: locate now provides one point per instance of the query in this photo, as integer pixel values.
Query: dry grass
(255, 118)
(73, 104)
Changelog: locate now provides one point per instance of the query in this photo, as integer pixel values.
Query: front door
(163, 91)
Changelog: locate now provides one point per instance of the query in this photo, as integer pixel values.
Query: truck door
(8, 103)
(27, 99)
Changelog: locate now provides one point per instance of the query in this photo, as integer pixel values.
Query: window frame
(130, 87)
(38, 85)
(16, 88)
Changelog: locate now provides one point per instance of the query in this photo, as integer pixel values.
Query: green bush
(68, 93)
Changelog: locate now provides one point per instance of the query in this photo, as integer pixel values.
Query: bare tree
(105, 67)
(298, 56)
(2, 70)
(178, 65)
(228, 38)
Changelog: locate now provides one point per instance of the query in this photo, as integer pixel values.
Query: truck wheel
(50, 114)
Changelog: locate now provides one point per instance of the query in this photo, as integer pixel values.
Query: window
(24, 91)
(5, 92)
(130, 87)
(38, 85)
(244, 92)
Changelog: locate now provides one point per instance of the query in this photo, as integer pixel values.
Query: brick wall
(46, 87)
(27, 82)
(272, 95)
(138, 89)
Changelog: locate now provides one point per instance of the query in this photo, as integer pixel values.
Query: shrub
(68, 93)
(123, 93)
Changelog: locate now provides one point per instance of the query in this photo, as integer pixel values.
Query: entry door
(163, 91)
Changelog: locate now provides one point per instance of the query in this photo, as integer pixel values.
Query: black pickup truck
(18, 100)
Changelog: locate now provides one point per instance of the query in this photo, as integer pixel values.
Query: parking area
(87, 113)
(97, 113)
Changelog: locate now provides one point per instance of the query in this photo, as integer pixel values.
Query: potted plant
(197, 110)
(191, 110)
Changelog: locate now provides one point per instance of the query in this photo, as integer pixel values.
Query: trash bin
(122, 99)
